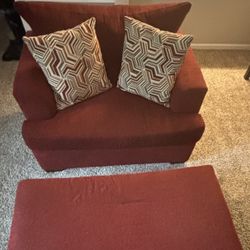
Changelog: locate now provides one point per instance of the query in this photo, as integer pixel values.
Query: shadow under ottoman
(175, 209)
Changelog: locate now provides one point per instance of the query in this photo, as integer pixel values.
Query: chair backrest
(47, 17)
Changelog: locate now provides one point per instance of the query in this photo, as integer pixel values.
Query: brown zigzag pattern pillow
(151, 60)
(72, 63)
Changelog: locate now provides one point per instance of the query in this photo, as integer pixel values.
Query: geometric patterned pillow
(72, 62)
(151, 60)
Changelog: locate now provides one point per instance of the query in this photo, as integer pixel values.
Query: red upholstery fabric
(37, 101)
(49, 17)
(190, 87)
(97, 123)
(31, 89)
(54, 160)
(115, 127)
(175, 209)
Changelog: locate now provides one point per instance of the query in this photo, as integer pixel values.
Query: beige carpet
(226, 141)
(225, 144)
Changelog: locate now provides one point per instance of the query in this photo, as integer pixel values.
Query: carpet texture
(225, 143)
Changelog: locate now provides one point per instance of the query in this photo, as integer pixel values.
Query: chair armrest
(190, 87)
(31, 90)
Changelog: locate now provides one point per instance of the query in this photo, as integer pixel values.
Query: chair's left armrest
(31, 90)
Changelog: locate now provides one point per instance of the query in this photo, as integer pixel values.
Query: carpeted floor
(225, 143)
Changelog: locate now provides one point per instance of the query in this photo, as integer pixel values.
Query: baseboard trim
(220, 46)
(121, 1)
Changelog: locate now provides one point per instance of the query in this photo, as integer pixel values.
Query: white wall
(216, 23)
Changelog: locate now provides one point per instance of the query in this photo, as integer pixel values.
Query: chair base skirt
(55, 160)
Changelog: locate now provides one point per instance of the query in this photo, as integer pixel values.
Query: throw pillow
(151, 60)
(72, 63)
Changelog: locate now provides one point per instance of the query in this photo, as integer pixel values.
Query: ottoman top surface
(174, 209)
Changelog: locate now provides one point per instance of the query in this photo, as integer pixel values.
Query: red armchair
(115, 127)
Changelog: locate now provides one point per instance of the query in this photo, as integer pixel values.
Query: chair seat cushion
(176, 209)
(115, 119)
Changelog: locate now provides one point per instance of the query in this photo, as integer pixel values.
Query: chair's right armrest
(190, 87)
(31, 90)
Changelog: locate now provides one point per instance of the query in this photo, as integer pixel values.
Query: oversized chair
(115, 127)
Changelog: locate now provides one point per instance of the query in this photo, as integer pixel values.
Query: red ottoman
(175, 209)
